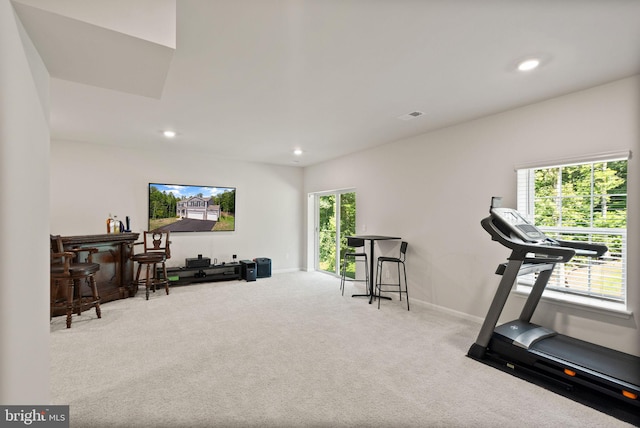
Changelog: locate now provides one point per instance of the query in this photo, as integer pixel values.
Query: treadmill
(539, 354)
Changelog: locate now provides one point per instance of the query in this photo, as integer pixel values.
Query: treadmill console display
(518, 225)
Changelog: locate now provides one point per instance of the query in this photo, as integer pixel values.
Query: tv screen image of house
(189, 208)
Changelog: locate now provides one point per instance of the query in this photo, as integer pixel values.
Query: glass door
(347, 228)
(336, 219)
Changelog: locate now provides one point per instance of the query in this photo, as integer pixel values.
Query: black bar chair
(356, 256)
(397, 261)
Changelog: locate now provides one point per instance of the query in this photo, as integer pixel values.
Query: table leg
(372, 279)
(370, 285)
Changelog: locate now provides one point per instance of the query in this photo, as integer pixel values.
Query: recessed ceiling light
(528, 64)
(169, 134)
(297, 152)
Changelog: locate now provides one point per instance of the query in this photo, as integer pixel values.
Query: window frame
(526, 205)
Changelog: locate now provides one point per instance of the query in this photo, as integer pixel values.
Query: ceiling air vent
(411, 115)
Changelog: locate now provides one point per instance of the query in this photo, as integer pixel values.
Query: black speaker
(248, 270)
(263, 266)
(197, 262)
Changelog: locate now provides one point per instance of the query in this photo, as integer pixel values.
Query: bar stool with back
(397, 261)
(156, 252)
(75, 275)
(356, 256)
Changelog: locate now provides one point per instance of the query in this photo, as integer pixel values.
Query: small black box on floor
(248, 270)
(263, 266)
(197, 262)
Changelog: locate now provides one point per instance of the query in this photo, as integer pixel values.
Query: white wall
(24, 241)
(433, 190)
(89, 181)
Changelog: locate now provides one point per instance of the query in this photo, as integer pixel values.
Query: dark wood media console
(190, 275)
(115, 277)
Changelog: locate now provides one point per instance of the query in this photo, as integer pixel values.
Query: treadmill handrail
(588, 249)
(559, 254)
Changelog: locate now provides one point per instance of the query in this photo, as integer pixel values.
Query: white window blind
(584, 201)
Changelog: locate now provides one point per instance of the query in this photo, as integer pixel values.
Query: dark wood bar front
(115, 277)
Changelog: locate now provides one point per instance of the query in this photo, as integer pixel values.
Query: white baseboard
(446, 310)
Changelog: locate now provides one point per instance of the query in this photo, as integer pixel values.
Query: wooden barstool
(67, 270)
(156, 252)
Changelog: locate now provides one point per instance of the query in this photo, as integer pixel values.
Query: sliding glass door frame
(338, 228)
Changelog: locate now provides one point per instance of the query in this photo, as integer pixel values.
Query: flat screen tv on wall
(189, 208)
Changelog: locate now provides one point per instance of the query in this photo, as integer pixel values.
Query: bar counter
(115, 277)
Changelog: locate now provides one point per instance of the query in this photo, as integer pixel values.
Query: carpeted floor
(287, 351)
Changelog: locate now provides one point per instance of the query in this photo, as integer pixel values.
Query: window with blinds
(582, 201)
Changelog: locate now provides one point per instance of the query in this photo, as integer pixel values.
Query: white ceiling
(254, 79)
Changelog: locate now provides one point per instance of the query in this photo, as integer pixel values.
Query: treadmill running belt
(603, 360)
